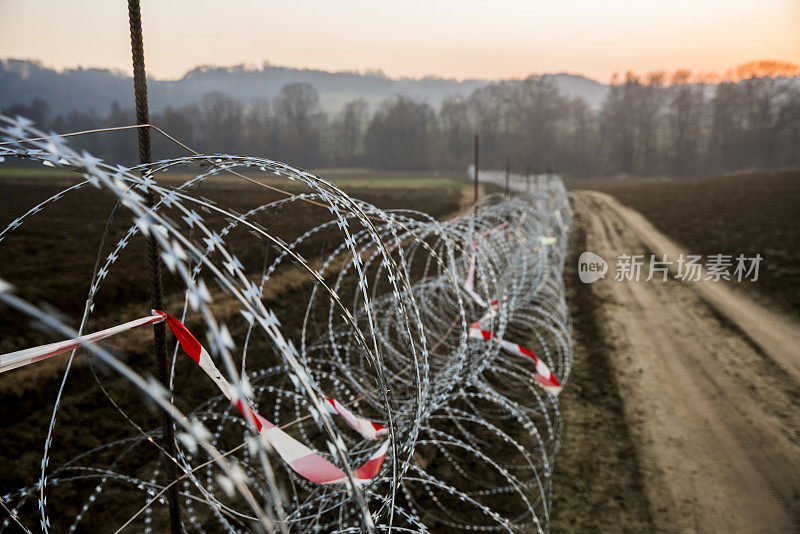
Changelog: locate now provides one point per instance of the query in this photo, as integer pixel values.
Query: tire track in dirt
(709, 387)
(597, 479)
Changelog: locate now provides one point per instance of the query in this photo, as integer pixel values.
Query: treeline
(651, 126)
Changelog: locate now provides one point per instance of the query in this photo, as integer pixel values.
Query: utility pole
(508, 174)
(154, 259)
(477, 137)
(528, 179)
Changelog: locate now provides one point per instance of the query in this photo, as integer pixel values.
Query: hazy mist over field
(660, 123)
(97, 89)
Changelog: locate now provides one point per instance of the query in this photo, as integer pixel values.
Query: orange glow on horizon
(752, 69)
(415, 38)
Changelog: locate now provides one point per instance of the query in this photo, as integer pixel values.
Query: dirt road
(709, 382)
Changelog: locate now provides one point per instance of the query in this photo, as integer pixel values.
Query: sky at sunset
(465, 39)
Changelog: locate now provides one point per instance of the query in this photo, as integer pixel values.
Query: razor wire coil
(384, 331)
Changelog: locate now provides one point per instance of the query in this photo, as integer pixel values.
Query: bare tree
(764, 89)
(617, 126)
(485, 108)
(348, 129)
(400, 135)
(457, 131)
(300, 121)
(727, 146)
(685, 124)
(220, 123)
(260, 128)
(645, 126)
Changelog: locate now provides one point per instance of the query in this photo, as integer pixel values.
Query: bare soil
(743, 213)
(681, 413)
(708, 383)
(51, 259)
(598, 482)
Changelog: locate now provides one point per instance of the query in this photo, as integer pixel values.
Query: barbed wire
(408, 322)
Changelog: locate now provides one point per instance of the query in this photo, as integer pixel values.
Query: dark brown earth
(51, 259)
(709, 382)
(678, 416)
(598, 484)
(745, 213)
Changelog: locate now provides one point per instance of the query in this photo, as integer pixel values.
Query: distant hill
(86, 89)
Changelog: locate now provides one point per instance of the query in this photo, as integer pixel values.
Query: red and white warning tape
(469, 283)
(21, 358)
(303, 460)
(543, 375)
(492, 230)
(365, 427)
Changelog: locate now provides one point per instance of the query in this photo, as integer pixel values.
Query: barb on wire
(360, 334)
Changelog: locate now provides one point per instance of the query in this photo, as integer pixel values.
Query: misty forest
(654, 125)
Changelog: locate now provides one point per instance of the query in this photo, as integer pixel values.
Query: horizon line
(781, 68)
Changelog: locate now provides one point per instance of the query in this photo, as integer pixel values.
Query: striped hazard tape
(304, 461)
(543, 376)
(24, 357)
(365, 427)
